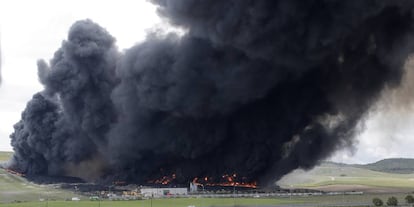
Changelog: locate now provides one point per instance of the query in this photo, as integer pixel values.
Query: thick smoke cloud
(257, 88)
(79, 81)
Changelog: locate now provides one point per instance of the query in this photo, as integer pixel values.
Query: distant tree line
(393, 201)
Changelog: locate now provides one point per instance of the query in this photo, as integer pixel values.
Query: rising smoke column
(257, 88)
(82, 76)
(80, 79)
(34, 134)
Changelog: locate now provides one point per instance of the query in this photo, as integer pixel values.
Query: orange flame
(165, 180)
(15, 173)
(229, 181)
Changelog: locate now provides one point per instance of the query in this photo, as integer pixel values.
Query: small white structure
(114, 197)
(75, 199)
(161, 192)
(193, 187)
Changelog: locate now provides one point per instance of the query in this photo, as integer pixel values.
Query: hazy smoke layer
(257, 88)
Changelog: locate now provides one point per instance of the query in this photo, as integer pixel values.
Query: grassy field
(329, 174)
(173, 202)
(350, 200)
(364, 198)
(345, 200)
(15, 188)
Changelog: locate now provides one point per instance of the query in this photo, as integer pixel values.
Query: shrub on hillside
(377, 202)
(392, 201)
(409, 199)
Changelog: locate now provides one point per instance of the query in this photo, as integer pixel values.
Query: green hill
(336, 177)
(394, 165)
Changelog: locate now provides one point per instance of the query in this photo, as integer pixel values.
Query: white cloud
(388, 134)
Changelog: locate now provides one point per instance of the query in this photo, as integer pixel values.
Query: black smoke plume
(256, 88)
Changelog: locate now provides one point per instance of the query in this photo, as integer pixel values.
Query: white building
(161, 192)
